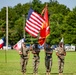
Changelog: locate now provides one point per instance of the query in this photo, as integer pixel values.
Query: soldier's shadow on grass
(50, 74)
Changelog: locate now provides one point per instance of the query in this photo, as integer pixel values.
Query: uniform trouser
(23, 64)
(61, 64)
(35, 64)
(48, 64)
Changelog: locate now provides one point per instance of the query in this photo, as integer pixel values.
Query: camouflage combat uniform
(36, 59)
(60, 53)
(48, 59)
(24, 58)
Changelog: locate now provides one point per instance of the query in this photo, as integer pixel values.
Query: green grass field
(12, 67)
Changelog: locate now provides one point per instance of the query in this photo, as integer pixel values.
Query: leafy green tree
(71, 27)
(36, 5)
(62, 22)
(18, 9)
(3, 14)
(25, 9)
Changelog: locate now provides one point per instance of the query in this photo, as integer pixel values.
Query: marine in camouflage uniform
(48, 58)
(36, 58)
(24, 55)
(60, 52)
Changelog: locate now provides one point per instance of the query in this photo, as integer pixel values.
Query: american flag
(34, 23)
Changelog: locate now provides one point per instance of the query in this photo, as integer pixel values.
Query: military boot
(36, 74)
(33, 73)
(23, 73)
(60, 73)
(49, 73)
(46, 73)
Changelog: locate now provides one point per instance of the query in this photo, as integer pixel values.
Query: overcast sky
(69, 3)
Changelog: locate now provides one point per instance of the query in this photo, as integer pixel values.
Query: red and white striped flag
(17, 46)
(34, 23)
(1, 43)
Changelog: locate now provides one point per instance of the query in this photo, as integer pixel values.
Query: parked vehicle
(54, 46)
(67, 47)
(73, 47)
(9, 47)
(27, 45)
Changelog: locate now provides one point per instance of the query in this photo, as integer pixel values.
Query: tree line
(62, 22)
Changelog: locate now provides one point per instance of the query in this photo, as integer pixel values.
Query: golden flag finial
(44, 9)
(46, 4)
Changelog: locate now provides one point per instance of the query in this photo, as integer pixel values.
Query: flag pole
(31, 40)
(24, 26)
(30, 3)
(31, 35)
(6, 34)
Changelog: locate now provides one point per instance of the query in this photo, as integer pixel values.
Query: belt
(61, 54)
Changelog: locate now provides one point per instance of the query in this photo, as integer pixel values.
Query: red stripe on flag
(31, 33)
(1, 45)
(32, 29)
(34, 23)
(32, 26)
(39, 19)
